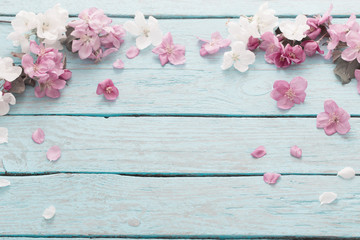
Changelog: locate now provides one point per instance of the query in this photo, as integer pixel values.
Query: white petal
(155, 35)
(347, 173)
(49, 212)
(9, 98)
(238, 47)
(132, 28)
(327, 197)
(152, 21)
(4, 108)
(140, 19)
(3, 135)
(228, 60)
(241, 67)
(8, 71)
(142, 42)
(4, 183)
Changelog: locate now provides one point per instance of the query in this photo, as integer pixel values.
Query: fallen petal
(132, 52)
(3, 135)
(49, 212)
(38, 136)
(54, 153)
(271, 178)
(118, 64)
(327, 197)
(259, 152)
(295, 151)
(347, 173)
(4, 183)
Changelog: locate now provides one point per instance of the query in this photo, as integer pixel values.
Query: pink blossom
(107, 88)
(316, 22)
(311, 47)
(295, 151)
(118, 64)
(91, 18)
(287, 94)
(271, 178)
(270, 43)
(334, 119)
(132, 52)
(170, 52)
(357, 76)
(66, 75)
(214, 45)
(112, 36)
(353, 51)
(50, 86)
(87, 42)
(37, 69)
(280, 58)
(253, 43)
(259, 152)
(295, 53)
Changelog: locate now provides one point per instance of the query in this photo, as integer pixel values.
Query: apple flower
(5, 100)
(265, 19)
(8, 71)
(239, 56)
(295, 30)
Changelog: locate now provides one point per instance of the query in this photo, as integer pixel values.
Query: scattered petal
(347, 173)
(49, 212)
(38, 136)
(4, 183)
(295, 151)
(259, 152)
(118, 64)
(3, 135)
(132, 52)
(271, 178)
(327, 197)
(54, 153)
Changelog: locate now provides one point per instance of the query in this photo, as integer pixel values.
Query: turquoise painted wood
(227, 206)
(175, 145)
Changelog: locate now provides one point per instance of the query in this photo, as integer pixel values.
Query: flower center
(146, 32)
(292, 55)
(235, 57)
(334, 118)
(290, 94)
(108, 90)
(85, 38)
(169, 49)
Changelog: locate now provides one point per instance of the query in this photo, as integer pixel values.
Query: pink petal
(343, 127)
(113, 94)
(39, 93)
(52, 92)
(322, 120)
(343, 115)
(211, 49)
(203, 52)
(330, 129)
(296, 151)
(132, 52)
(330, 106)
(298, 84)
(177, 58)
(85, 51)
(163, 59)
(271, 178)
(259, 152)
(225, 43)
(54, 153)
(27, 61)
(167, 39)
(216, 36)
(58, 84)
(285, 103)
(118, 64)
(299, 98)
(38, 136)
(349, 54)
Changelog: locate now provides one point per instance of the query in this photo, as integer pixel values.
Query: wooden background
(171, 157)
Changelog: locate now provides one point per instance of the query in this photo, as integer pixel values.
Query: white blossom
(8, 71)
(239, 56)
(295, 30)
(5, 100)
(242, 30)
(265, 19)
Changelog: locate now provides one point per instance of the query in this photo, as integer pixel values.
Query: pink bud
(295, 151)
(253, 43)
(7, 86)
(311, 47)
(259, 152)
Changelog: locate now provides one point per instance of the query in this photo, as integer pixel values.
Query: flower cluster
(49, 28)
(94, 37)
(48, 70)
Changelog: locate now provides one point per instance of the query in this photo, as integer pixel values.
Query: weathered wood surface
(226, 206)
(177, 145)
(185, 8)
(199, 87)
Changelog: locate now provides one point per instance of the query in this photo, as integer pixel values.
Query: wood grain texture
(185, 8)
(237, 206)
(198, 87)
(177, 145)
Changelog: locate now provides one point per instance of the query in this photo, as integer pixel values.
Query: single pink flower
(287, 94)
(253, 43)
(311, 47)
(86, 43)
(270, 43)
(50, 86)
(38, 136)
(170, 52)
(353, 51)
(271, 178)
(334, 119)
(295, 53)
(132, 52)
(107, 88)
(280, 58)
(91, 18)
(53, 154)
(295, 151)
(357, 77)
(37, 69)
(214, 45)
(118, 64)
(259, 152)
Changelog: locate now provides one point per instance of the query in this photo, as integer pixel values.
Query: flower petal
(322, 120)
(298, 84)
(38, 136)
(49, 212)
(228, 60)
(330, 129)
(54, 153)
(330, 106)
(327, 197)
(295, 151)
(132, 28)
(259, 152)
(4, 183)
(285, 103)
(346, 173)
(163, 59)
(132, 52)
(343, 127)
(118, 64)
(271, 178)
(349, 54)
(3, 135)
(142, 42)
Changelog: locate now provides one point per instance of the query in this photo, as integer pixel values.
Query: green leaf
(346, 70)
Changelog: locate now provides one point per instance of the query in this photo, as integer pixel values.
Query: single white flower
(51, 26)
(5, 100)
(239, 56)
(242, 30)
(3, 136)
(265, 19)
(295, 30)
(147, 32)
(8, 71)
